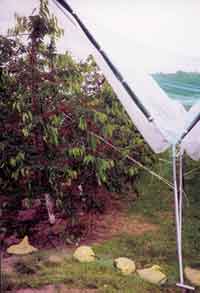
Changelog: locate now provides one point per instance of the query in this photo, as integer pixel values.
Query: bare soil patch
(101, 227)
(117, 222)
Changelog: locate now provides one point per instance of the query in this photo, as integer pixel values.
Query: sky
(154, 34)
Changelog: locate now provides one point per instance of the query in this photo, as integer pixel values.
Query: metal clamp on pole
(192, 125)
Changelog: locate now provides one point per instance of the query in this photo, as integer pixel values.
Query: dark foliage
(51, 108)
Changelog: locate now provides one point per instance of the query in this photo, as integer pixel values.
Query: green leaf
(77, 152)
(15, 175)
(101, 117)
(20, 156)
(53, 135)
(132, 171)
(70, 174)
(102, 166)
(82, 123)
(56, 120)
(93, 142)
(12, 162)
(108, 129)
(88, 159)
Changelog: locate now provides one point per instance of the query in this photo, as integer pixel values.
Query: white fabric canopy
(170, 118)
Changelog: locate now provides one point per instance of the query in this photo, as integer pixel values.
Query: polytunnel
(163, 122)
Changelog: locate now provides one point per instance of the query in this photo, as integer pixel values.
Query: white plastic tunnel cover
(170, 118)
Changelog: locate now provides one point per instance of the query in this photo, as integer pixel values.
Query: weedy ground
(153, 246)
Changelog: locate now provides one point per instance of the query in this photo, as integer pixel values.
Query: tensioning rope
(133, 160)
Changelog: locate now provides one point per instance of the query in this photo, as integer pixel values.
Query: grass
(155, 205)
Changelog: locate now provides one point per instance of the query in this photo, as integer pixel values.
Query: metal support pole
(178, 197)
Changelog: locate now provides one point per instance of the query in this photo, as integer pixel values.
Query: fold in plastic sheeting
(191, 143)
(169, 117)
(149, 130)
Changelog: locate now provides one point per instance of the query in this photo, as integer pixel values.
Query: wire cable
(169, 184)
(63, 11)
